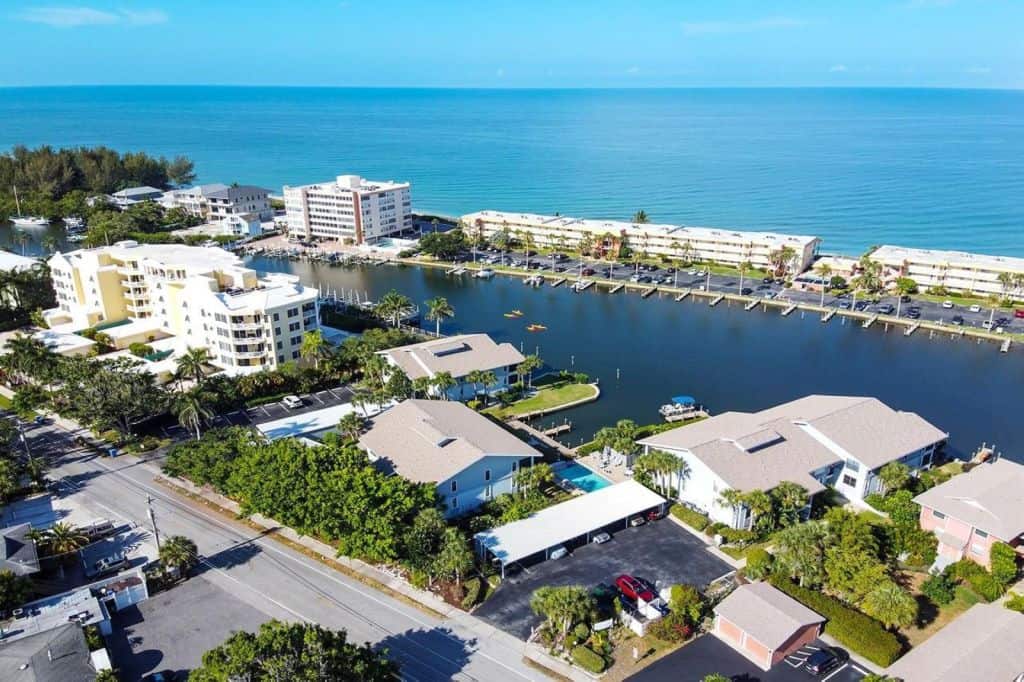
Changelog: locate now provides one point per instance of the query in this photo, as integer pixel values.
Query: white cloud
(838, 68)
(706, 28)
(71, 17)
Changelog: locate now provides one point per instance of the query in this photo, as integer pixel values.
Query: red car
(1018, 313)
(633, 588)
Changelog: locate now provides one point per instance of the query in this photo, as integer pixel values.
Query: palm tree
(487, 378)
(640, 217)
(444, 382)
(193, 411)
(475, 377)
(621, 437)
(744, 267)
(64, 539)
(314, 347)
(662, 465)
(1006, 281)
(21, 238)
(394, 306)
(586, 244)
(534, 477)
(824, 271)
(179, 554)
(193, 362)
(904, 287)
(782, 258)
(438, 308)
(421, 386)
(351, 425)
(529, 363)
(732, 499)
(49, 243)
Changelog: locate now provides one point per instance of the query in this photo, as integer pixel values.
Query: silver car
(601, 538)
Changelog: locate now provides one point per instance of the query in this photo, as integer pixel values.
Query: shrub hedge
(473, 588)
(588, 659)
(986, 586)
(862, 634)
(692, 518)
(759, 563)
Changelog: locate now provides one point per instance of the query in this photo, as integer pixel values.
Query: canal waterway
(645, 351)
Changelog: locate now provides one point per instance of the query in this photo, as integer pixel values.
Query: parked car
(746, 291)
(633, 588)
(635, 278)
(860, 305)
(637, 521)
(292, 402)
(767, 280)
(824, 660)
(904, 299)
(975, 308)
(655, 514)
(947, 304)
(887, 308)
(110, 564)
(958, 320)
(1019, 313)
(770, 294)
(913, 312)
(588, 271)
(558, 552)
(601, 538)
(987, 324)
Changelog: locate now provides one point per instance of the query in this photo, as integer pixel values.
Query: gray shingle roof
(231, 192)
(429, 441)
(58, 655)
(989, 497)
(17, 553)
(768, 615)
(983, 644)
(458, 355)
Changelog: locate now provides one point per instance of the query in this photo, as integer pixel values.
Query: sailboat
(28, 220)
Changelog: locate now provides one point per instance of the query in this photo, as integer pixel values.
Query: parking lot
(661, 553)
(708, 655)
(264, 413)
(163, 632)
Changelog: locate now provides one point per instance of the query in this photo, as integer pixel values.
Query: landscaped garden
(549, 393)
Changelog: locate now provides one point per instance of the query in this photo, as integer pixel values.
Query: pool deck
(616, 474)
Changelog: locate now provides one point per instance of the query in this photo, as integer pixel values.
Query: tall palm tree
(394, 306)
(781, 259)
(193, 411)
(475, 377)
(179, 553)
(193, 362)
(732, 499)
(824, 271)
(904, 287)
(438, 308)
(421, 386)
(64, 539)
(314, 347)
(744, 267)
(640, 217)
(49, 243)
(21, 238)
(487, 378)
(529, 363)
(444, 382)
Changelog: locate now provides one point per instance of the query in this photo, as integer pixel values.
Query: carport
(570, 520)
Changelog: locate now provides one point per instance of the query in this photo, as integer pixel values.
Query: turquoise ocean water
(928, 168)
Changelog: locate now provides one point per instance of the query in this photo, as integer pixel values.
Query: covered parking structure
(566, 523)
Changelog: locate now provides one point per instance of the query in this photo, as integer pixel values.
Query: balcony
(247, 355)
(144, 307)
(247, 326)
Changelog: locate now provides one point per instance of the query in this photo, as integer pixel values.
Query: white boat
(27, 220)
(533, 281)
(74, 223)
(485, 273)
(76, 238)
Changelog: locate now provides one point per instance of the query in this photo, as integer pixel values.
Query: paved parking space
(708, 655)
(163, 633)
(661, 553)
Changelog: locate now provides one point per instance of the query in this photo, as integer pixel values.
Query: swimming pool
(582, 477)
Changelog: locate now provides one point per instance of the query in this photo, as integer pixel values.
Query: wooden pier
(558, 282)
(682, 296)
(582, 285)
(716, 300)
(457, 270)
(557, 430)
(788, 310)
(616, 288)
(751, 305)
(870, 321)
(911, 329)
(648, 292)
(685, 416)
(829, 315)
(1005, 347)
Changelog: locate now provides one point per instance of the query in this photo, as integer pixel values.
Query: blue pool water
(582, 477)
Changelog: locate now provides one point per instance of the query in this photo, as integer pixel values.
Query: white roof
(62, 342)
(457, 355)
(568, 520)
(897, 255)
(309, 422)
(12, 261)
(680, 232)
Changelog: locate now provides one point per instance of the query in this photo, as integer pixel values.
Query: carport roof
(563, 522)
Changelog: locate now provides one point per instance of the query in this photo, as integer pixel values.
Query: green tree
(744, 268)
(687, 600)
(782, 259)
(179, 553)
(890, 604)
(193, 411)
(800, 552)
(661, 465)
(533, 478)
(563, 607)
(527, 367)
(716, 677)
(314, 347)
(824, 272)
(789, 499)
(444, 382)
(438, 309)
(393, 306)
(351, 425)
(398, 386)
(640, 218)
(15, 590)
(297, 652)
(181, 171)
(9, 479)
(894, 476)
(421, 387)
(1003, 562)
(454, 557)
(622, 437)
(423, 540)
(64, 540)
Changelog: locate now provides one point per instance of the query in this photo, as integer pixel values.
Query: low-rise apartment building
(134, 195)
(458, 356)
(956, 271)
(970, 512)
(469, 458)
(200, 296)
(674, 241)
(217, 201)
(816, 442)
(349, 209)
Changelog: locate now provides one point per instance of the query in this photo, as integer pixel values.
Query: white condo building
(957, 271)
(675, 241)
(348, 208)
(218, 201)
(170, 296)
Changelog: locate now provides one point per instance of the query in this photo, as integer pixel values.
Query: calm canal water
(645, 351)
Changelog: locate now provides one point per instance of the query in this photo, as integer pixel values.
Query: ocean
(857, 167)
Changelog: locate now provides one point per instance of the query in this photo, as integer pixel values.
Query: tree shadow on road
(437, 653)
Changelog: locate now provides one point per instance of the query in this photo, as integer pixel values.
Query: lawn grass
(963, 599)
(547, 398)
(5, 402)
(966, 301)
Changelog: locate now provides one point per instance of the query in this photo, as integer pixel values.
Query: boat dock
(539, 436)
(751, 305)
(558, 282)
(648, 292)
(870, 321)
(685, 416)
(457, 270)
(789, 309)
(616, 288)
(716, 300)
(829, 315)
(682, 296)
(912, 328)
(582, 285)
(1005, 347)
(557, 430)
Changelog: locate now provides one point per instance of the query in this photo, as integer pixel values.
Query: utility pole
(152, 520)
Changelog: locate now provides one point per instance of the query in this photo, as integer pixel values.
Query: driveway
(708, 655)
(660, 552)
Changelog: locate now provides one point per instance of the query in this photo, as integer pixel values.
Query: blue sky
(529, 43)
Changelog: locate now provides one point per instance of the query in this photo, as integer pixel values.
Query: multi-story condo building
(200, 296)
(956, 271)
(348, 209)
(605, 237)
(218, 201)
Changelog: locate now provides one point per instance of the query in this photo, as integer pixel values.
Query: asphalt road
(277, 581)
(694, 277)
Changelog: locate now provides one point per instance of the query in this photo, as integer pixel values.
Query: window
(849, 480)
(295, 355)
(489, 492)
(276, 318)
(977, 549)
(487, 474)
(455, 503)
(980, 533)
(937, 514)
(852, 465)
(455, 486)
(515, 467)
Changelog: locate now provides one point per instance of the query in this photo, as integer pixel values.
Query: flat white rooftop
(315, 421)
(568, 520)
(681, 232)
(898, 254)
(12, 261)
